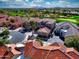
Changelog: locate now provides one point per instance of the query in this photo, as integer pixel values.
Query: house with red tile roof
(15, 50)
(44, 31)
(50, 23)
(15, 21)
(9, 51)
(5, 53)
(34, 50)
(2, 21)
(3, 16)
(11, 21)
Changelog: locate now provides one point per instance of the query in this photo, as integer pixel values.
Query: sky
(38, 3)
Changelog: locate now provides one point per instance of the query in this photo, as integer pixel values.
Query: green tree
(72, 41)
(33, 24)
(4, 37)
(39, 39)
(4, 41)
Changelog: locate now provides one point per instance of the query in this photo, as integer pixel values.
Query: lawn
(68, 20)
(75, 17)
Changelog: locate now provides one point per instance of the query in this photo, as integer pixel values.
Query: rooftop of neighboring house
(36, 19)
(3, 16)
(71, 28)
(16, 37)
(44, 30)
(44, 20)
(11, 20)
(53, 44)
(15, 20)
(5, 52)
(54, 39)
(15, 48)
(56, 47)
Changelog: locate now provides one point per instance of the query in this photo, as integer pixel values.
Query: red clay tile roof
(44, 30)
(2, 20)
(15, 21)
(4, 53)
(13, 50)
(3, 16)
(36, 20)
(44, 20)
(48, 20)
(33, 49)
(55, 44)
(72, 52)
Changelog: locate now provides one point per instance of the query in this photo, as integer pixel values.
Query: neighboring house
(2, 21)
(12, 22)
(50, 23)
(15, 49)
(15, 21)
(5, 53)
(44, 31)
(3, 16)
(69, 28)
(16, 37)
(34, 50)
(36, 20)
(27, 26)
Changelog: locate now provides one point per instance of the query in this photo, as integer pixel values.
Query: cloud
(38, 3)
(61, 3)
(48, 3)
(26, 0)
(22, 0)
(4, 0)
(19, 0)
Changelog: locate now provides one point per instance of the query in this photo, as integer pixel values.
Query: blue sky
(38, 3)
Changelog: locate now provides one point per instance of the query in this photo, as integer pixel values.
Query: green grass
(75, 17)
(67, 20)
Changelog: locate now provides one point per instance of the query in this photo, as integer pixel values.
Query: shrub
(5, 33)
(39, 39)
(4, 41)
(72, 41)
(4, 37)
(33, 24)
